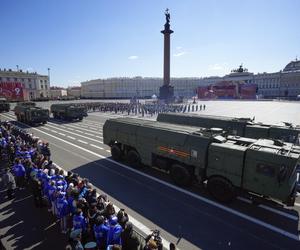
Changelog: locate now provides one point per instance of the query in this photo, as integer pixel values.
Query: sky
(81, 40)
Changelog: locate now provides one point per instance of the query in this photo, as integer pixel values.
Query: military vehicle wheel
(80, 118)
(133, 158)
(180, 175)
(221, 189)
(44, 122)
(116, 152)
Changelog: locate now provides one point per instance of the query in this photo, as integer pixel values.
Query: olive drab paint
(235, 126)
(27, 112)
(68, 111)
(229, 165)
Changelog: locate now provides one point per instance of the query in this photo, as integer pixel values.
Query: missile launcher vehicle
(226, 166)
(235, 126)
(68, 111)
(27, 112)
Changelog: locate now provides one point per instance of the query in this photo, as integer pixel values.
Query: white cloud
(133, 57)
(179, 54)
(179, 47)
(217, 67)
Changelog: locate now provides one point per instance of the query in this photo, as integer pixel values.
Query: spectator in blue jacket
(63, 211)
(79, 222)
(101, 232)
(114, 233)
(19, 172)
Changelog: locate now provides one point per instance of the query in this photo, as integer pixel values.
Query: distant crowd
(89, 220)
(143, 109)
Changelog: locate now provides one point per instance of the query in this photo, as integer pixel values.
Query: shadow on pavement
(23, 226)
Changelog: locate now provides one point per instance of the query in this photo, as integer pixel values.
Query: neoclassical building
(32, 85)
(285, 84)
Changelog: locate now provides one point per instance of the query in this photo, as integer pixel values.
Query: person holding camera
(154, 241)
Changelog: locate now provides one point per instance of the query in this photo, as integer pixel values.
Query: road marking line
(91, 139)
(71, 137)
(82, 141)
(46, 128)
(54, 131)
(203, 199)
(284, 214)
(143, 228)
(62, 134)
(96, 146)
(213, 203)
(107, 151)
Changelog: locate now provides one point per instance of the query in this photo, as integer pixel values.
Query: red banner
(12, 91)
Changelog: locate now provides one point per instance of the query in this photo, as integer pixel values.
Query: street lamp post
(48, 81)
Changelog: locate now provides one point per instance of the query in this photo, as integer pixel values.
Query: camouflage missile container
(27, 112)
(235, 126)
(68, 111)
(230, 166)
(4, 105)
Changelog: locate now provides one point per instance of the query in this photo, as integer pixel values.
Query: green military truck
(68, 111)
(27, 112)
(4, 105)
(228, 166)
(235, 126)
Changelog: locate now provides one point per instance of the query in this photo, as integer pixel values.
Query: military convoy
(68, 111)
(4, 105)
(235, 126)
(226, 166)
(27, 112)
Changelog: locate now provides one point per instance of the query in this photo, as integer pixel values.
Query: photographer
(154, 241)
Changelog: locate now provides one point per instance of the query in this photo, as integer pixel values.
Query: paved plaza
(189, 217)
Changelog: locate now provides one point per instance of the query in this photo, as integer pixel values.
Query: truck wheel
(80, 118)
(180, 175)
(221, 189)
(116, 152)
(134, 158)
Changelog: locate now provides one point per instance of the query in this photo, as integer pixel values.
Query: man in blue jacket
(114, 233)
(101, 232)
(19, 172)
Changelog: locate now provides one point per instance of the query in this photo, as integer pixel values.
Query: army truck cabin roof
(187, 153)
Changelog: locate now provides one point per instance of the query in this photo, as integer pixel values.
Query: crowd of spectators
(89, 220)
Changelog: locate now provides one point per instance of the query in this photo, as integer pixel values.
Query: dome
(292, 66)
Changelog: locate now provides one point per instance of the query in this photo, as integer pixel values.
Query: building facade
(74, 91)
(32, 85)
(285, 84)
(57, 92)
(142, 87)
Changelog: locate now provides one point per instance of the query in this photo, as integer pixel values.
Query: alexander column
(166, 92)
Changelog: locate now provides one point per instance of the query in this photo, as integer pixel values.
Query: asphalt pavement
(186, 216)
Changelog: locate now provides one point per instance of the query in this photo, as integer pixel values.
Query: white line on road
(96, 146)
(203, 199)
(91, 139)
(82, 141)
(62, 134)
(276, 211)
(71, 137)
(107, 151)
